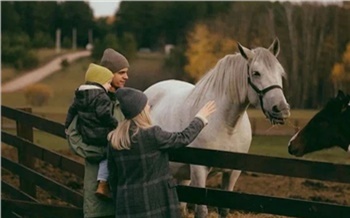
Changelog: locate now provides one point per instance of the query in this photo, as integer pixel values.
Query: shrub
(27, 61)
(16, 51)
(64, 63)
(109, 41)
(38, 94)
(14, 46)
(42, 40)
(66, 42)
(175, 62)
(128, 45)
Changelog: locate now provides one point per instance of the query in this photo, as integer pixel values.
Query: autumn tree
(341, 72)
(205, 48)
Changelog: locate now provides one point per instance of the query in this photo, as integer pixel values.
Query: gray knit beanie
(132, 101)
(113, 60)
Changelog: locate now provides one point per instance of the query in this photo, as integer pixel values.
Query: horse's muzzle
(278, 118)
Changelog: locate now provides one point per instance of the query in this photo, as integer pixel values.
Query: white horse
(249, 77)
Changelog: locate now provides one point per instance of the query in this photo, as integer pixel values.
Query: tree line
(315, 44)
(314, 36)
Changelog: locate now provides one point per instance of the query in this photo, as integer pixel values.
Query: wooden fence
(24, 203)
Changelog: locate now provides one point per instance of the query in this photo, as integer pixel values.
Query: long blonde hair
(120, 138)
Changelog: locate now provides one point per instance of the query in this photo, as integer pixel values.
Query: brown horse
(328, 128)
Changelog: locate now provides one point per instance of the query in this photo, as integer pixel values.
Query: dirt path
(42, 72)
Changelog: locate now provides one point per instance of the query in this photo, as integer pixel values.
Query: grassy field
(143, 73)
(62, 83)
(277, 146)
(44, 56)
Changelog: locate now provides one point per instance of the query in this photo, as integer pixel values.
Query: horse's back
(166, 98)
(166, 89)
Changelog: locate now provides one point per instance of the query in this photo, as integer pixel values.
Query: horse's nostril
(275, 109)
(290, 150)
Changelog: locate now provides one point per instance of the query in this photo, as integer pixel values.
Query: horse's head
(265, 75)
(328, 128)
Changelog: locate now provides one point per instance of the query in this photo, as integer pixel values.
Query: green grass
(8, 73)
(277, 146)
(294, 114)
(45, 140)
(63, 84)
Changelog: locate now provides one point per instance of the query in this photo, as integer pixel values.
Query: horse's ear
(340, 94)
(245, 52)
(343, 98)
(275, 47)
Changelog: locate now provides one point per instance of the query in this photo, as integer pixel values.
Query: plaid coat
(140, 177)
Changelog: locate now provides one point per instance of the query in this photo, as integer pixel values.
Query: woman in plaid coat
(138, 159)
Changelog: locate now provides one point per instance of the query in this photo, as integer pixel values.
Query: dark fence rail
(234, 200)
(33, 209)
(52, 157)
(54, 188)
(29, 119)
(261, 204)
(260, 125)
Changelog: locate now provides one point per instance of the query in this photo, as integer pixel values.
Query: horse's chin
(276, 120)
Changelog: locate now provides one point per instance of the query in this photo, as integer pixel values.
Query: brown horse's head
(329, 127)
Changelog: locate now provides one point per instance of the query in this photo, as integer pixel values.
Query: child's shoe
(103, 191)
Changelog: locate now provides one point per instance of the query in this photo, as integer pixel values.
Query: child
(95, 116)
(138, 158)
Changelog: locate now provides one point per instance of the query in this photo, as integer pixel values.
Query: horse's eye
(256, 73)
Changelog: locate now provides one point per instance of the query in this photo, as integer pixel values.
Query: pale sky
(104, 8)
(108, 8)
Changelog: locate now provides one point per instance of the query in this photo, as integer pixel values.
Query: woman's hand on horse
(207, 109)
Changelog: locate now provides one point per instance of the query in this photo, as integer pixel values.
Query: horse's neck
(227, 114)
(344, 130)
(232, 112)
(345, 124)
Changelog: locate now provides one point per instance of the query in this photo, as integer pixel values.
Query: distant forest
(314, 37)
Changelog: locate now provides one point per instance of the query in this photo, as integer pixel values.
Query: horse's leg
(229, 180)
(198, 179)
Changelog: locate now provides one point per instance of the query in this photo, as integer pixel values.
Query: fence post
(25, 131)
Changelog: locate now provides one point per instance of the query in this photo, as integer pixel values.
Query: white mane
(229, 76)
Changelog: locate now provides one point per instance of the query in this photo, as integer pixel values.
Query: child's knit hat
(98, 74)
(113, 60)
(132, 101)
